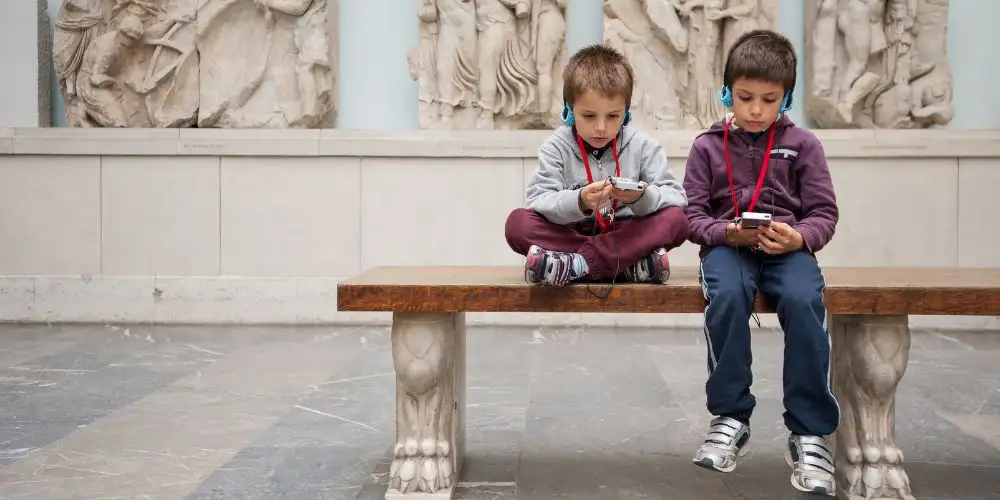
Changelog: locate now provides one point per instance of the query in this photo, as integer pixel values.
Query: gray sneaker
(725, 443)
(812, 465)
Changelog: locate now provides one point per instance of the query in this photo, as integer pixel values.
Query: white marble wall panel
(438, 211)
(159, 217)
(50, 215)
(895, 212)
(978, 212)
(285, 217)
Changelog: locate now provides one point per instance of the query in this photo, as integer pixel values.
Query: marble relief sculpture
(428, 354)
(489, 64)
(868, 360)
(194, 63)
(677, 49)
(877, 63)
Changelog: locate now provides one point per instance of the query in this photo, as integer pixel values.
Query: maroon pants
(629, 241)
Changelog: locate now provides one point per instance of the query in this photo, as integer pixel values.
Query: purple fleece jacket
(797, 187)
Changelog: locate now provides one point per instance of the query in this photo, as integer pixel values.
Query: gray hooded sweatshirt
(554, 190)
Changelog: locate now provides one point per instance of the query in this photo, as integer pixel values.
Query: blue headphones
(568, 119)
(726, 98)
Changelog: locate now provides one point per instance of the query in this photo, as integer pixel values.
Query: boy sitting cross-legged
(578, 225)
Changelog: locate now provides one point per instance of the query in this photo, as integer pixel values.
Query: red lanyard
(590, 177)
(763, 168)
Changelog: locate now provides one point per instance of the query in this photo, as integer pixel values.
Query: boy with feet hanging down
(578, 225)
(757, 160)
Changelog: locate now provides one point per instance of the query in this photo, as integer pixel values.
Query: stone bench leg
(428, 354)
(869, 358)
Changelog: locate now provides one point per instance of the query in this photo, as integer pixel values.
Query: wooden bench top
(880, 291)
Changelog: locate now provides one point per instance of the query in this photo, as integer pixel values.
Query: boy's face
(756, 103)
(598, 117)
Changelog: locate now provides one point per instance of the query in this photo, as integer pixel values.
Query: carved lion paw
(876, 473)
(423, 466)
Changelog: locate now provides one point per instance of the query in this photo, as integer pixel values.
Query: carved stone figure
(548, 40)
(194, 63)
(877, 63)
(654, 39)
(77, 25)
(489, 63)
(428, 352)
(677, 49)
(704, 61)
(741, 16)
(869, 358)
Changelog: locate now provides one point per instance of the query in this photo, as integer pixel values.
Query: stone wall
(258, 226)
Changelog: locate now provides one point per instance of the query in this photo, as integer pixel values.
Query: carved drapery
(489, 64)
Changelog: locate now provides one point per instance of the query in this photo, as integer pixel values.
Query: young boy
(578, 224)
(757, 160)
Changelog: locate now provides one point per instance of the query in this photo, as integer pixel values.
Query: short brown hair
(598, 68)
(761, 55)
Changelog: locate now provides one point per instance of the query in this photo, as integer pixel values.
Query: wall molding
(860, 143)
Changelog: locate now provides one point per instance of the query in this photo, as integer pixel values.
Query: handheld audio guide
(625, 184)
(751, 220)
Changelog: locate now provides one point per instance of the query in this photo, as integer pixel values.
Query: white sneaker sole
(791, 479)
(707, 463)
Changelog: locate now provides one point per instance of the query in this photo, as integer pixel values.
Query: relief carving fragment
(677, 49)
(195, 63)
(877, 63)
(489, 64)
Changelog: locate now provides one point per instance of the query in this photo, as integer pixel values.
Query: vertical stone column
(584, 23)
(374, 87)
(26, 59)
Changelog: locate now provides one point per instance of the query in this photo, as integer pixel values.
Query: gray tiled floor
(217, 413)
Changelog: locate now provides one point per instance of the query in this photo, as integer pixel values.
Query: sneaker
(654, 268)
(725, 443)
(544, 267)
(812, 465)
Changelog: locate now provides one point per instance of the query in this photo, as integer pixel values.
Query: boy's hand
(739, 237)
(778, 237)
(628, 196)
(595, 196)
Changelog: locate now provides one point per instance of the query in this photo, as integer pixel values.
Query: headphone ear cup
(726, 96)
(567, 115)
(786, 103)
(628, 117)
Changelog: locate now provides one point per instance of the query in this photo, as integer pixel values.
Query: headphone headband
(787, 45)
